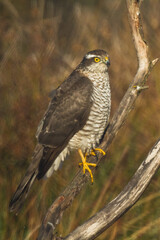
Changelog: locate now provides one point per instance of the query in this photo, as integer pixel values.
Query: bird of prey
(76, 119)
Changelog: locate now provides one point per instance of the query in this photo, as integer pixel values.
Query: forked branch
(65, 199)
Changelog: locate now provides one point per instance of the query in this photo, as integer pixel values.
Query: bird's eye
(96, 59)
(106, 58)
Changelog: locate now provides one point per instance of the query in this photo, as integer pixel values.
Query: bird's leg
(98, 150)
(85, 164)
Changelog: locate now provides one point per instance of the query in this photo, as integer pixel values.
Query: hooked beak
(107, 61)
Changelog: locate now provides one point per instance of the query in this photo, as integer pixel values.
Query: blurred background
(41, 42)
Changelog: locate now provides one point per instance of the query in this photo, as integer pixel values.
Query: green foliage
(37, 53)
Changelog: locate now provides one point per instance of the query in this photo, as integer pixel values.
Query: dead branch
(123, 202)
(145, 66)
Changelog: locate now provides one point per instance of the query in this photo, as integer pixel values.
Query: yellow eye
(106, 58)
(96, 59)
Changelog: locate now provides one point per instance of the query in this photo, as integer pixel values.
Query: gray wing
(66, 115)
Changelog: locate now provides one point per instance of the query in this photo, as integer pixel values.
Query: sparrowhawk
(76, 118)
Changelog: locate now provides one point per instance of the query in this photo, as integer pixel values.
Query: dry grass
(37, 53)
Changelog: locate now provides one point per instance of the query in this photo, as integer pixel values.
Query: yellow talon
(99, 150)
(85, 164)
(92, 153)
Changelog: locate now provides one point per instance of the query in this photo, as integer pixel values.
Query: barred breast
(90, 135)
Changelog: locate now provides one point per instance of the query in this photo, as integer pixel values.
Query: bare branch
(123, 202)
(55, 212)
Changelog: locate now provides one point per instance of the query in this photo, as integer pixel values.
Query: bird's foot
(98, 150)
(86, 164)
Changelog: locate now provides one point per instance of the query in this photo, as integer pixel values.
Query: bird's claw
(98, 150)
(86, 164)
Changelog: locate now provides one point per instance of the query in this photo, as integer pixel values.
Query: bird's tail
(27, 181)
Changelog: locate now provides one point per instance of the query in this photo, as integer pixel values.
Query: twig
(65, 199)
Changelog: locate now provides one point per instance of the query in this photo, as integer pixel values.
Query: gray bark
(123, 202)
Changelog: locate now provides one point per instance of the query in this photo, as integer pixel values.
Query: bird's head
(96, 61)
